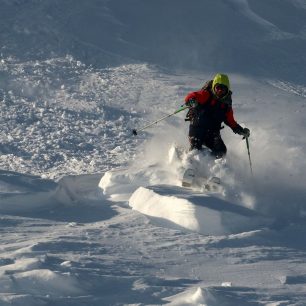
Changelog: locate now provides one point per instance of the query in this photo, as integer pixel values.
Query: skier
(209, 108)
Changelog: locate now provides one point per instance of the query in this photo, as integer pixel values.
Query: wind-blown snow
(92, 215)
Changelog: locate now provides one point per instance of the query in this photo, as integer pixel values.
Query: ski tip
(185, 184)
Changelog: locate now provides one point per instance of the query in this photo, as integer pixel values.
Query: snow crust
(203, 213)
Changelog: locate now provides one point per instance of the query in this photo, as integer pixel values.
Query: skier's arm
(237, 128)
(200, 96)
(231, 122)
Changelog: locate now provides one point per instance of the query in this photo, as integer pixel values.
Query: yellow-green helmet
(221, 79)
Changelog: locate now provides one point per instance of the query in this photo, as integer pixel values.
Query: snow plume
(279, 175)
(277, 147)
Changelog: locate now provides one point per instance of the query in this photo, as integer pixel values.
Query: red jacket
(224, 109)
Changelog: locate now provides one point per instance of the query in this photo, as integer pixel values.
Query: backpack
(207, 85)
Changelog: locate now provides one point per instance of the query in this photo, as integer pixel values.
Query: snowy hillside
(266, 38)
(92, 215)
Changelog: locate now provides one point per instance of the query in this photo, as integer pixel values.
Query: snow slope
(269, 33)
(90, 214)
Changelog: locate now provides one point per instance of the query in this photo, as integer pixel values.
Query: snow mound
(21, 192)
(212, 296)
(40, 281)
(72, 189)
(119, 184)
(23, 264)
(189, 297)
(26, 282)
(203, 213)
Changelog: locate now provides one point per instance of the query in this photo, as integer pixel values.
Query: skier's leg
(215, 143)
(195, 143)
(195, 138)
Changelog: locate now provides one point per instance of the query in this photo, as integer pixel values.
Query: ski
(188, 178)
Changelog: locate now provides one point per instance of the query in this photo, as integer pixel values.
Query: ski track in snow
(75, 229)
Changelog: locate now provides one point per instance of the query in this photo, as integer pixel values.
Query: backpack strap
(227, 99)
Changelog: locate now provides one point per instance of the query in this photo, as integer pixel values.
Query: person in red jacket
(208, 109)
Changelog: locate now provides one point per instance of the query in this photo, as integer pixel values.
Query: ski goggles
(221, 88)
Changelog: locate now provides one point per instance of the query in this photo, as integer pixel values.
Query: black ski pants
(209, 138)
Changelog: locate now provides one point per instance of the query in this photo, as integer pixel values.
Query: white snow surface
(92, 215)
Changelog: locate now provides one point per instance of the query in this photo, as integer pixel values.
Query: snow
(92, 215)
(202, 213)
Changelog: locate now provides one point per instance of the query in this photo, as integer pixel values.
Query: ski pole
(155, 122)
(248, 148)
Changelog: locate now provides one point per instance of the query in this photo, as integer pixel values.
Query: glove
(245, 133)
(192, 103)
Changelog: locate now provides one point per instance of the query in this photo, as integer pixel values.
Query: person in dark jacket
(208, 109)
